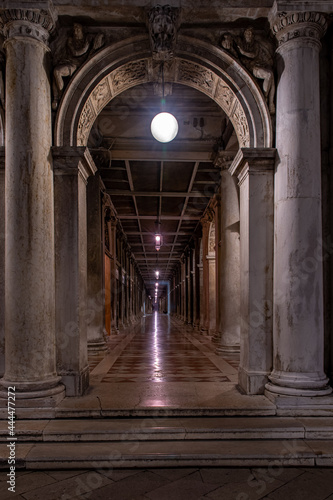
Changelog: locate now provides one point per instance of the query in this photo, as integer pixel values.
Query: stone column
(196, 292)
(298, 280)
(114, 290)
(194, 285)
(204, 311)
(189, 286)
(255, 169)
(210, 258)
(2, 261)
(95, 266)
(228, 280)
(29, 246)
(183, 291)
(72, 166)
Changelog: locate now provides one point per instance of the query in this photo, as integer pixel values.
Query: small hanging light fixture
(158, 236)
(164, 126)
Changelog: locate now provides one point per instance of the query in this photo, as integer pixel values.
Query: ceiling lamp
(158, 236)
(164, 126)
(157, 274)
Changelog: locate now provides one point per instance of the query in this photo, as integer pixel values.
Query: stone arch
(197, 64)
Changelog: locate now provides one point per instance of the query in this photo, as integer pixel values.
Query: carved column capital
(223, 160)
(33, 20)
(288, 26)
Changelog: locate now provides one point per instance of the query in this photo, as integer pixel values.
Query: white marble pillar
(95, 266)
(29, 255)
(298, 281)
(255, 168)
(72, 167)
(228, 265)
(2, 261)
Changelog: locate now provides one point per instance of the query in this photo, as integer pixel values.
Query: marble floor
(216, 483)
(162, 351)
(162, 363)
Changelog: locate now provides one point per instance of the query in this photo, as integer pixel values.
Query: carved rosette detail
(289, 26)
(37, 24)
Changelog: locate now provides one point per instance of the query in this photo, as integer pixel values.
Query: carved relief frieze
(211, 243)
(101, 95)
(197, 76)
(225, 97)
(86, 121)
(181, 71)
(129, 74)
(239, 121)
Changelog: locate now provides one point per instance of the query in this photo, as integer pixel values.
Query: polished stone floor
(270, 483)
(160, 351)
(162, 363)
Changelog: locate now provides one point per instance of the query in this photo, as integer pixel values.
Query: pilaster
(255, 171)
(72, 167)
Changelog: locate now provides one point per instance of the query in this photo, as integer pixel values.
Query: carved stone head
(249, 35)
(162, 30)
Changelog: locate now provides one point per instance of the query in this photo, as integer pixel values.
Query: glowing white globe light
(164, 127)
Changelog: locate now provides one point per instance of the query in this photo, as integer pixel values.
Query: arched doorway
(200, 66)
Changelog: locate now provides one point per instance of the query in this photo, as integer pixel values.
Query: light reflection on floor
(161, 352)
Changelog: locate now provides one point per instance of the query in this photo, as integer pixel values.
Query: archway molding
(197, 64)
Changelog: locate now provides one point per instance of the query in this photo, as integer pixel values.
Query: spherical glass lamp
(164, 127)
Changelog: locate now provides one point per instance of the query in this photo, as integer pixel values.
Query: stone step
(233, 453)
(175, 429)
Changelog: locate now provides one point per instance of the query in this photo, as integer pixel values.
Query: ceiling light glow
(164, 127)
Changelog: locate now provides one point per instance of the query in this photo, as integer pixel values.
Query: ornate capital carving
(32, 23)
(162, 24)
(291, 25)
(223, 160)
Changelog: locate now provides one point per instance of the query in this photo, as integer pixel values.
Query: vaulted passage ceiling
(148, 180)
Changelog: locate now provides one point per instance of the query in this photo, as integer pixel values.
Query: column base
(97, 346)
(76, 383)
(227, 349)
(216, 337)
(319, 405)
(32, 404)
(252, 382)
(203, 331)
(298, 384)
